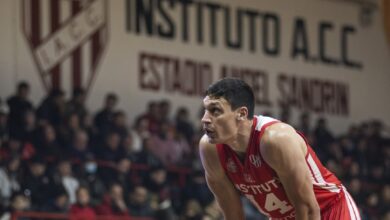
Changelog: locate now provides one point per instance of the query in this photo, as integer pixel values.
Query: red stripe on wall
(55, 24)
(35, 23)
(95, 49)
(96, 53)
(76, 55)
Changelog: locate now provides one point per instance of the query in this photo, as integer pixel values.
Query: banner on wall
(83, 31)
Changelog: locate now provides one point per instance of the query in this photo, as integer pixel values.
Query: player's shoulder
(205, 147)
(278, 132)
(281, 139)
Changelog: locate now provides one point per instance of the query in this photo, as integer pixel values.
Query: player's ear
(242, 113)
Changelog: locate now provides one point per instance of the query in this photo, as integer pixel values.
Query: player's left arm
(284, 150)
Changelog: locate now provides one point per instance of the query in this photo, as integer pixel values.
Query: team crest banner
(66, 32)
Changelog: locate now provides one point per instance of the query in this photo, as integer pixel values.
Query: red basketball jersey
(255, 179)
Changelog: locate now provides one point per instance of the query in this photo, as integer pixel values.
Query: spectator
(9, 179)
(192, 211)
(146, 156)
(157, 184)
(353, 134)
(119, 173)
(18, 105)
(48, 146)
(122, 176)
(110, 153)
(114, 204)
(385, 201)
(104, 117)
(323, 136)
(354, 171)
(372, 206)
(212, 211)
(16, 148)
(64, 178)
(52, 109)
(59, 203)
(139, 134)
(152, 117)
(183, 124)
(355, 189)
(29, 131)
(128, 147)
(77, 104)
(79, 149)
(170, 148)
(197, 189)
(3, 126)
(165, 111)
(132, 142)
(139, 204)
(37, 183)
(88, 177)
(82, 209)
(19, 202)
(119, 124)
(376, 177)
(111, 150)
(68, 129)
(87, 125)
(141, 128)
(360, 156)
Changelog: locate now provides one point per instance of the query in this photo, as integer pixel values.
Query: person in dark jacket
(52, 109)
(18, 106)
(37, 183)
(105, 116)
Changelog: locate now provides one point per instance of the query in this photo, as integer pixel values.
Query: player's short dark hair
(237, 92)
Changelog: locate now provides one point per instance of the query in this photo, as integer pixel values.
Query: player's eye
(215, 111)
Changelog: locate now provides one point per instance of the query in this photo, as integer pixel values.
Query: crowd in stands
(58, 157)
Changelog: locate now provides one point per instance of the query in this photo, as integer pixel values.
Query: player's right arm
(226, 195)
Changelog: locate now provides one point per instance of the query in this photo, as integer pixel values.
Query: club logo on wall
(67, 39)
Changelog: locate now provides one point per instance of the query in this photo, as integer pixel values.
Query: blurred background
(100, 101)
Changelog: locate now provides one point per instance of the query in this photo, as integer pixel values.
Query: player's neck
(240, 142)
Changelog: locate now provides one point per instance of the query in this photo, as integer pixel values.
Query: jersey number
(272, 203)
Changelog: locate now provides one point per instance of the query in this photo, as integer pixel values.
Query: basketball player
(265, 160)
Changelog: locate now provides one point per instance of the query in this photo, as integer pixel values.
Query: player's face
(219, 121)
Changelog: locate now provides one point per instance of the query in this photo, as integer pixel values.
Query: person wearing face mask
(88, 177)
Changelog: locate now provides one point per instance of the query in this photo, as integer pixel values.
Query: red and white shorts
(344, 209)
